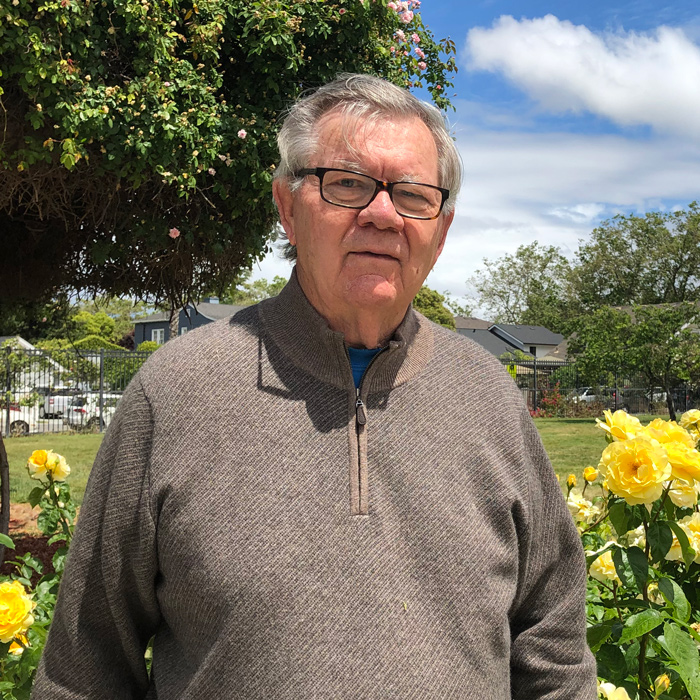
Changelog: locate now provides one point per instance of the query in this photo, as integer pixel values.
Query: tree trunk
(5, 493)
(670, 404)
(174, 322)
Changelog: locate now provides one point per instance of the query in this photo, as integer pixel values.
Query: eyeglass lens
(355, 190)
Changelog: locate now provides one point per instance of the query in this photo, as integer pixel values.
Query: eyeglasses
(352, 190)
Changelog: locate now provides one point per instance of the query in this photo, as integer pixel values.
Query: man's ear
(443, 227)
(284, 199)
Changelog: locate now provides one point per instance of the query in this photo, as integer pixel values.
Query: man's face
(349, 259)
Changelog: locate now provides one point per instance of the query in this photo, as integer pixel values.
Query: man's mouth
(377, 256)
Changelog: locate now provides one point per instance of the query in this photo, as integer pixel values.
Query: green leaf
(6, 541)
(611, 663)
(686, 549)
(618, 517)
(639, 565)
(660, 539)
(622, 567)
(685, 655)
(641, 623)
(35, 495)
(674, 595)
(596, 635)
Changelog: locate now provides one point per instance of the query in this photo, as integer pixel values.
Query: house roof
(213, 312)
(472, 323)
(531, 335)
(489, 341)
(21, 341)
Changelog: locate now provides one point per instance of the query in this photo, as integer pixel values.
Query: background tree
(661, 343)
(526, 287)
(139, 136)
(432, 305)
(243, 292)
(650, 259)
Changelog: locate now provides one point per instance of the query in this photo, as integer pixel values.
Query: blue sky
(566, 114)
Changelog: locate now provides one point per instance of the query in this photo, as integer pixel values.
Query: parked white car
(84, 411)
(25, 420)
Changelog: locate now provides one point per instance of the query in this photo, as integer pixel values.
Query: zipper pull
(360, 413)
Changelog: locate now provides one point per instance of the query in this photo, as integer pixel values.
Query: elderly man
(327, 496)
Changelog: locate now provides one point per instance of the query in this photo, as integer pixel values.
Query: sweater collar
(304, 336)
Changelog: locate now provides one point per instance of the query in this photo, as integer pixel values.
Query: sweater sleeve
(107, 608)
(549, 654)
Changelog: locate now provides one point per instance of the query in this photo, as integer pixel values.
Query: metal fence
(557, 388)
(62, 390)
(74, 390)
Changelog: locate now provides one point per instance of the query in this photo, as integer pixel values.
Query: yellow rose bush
(25, 611)
(640, 524)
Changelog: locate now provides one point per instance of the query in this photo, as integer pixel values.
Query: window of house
(158, 335)
(533, 350)
(183, 330)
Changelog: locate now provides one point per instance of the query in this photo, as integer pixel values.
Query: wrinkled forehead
(361, 142)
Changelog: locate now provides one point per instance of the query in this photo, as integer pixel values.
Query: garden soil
(27, 538)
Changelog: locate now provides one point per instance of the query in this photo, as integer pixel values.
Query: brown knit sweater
(281, 548)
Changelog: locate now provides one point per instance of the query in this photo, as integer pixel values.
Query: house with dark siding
(156, 327)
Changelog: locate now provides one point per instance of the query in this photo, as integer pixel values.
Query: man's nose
(381, 213)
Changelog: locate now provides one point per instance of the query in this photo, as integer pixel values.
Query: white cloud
(631, 78)
(555, 188)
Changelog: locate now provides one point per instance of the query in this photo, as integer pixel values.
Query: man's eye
(348, 183)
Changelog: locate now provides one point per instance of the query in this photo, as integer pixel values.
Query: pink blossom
(342, 10)
(399, 35)
(407, 16)
(43, 320)
(438, 87)
(392, 49)
(392, 6)
(422, 65)
(166, 83)
(415, 38)
(242, 134)
(419, 52)
(211, 171)
(405, 53)
(174, 232)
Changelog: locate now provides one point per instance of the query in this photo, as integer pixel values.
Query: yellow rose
(36, 465)
(690, 420)
(612, 692)
(42, 462)
(603, 569)
(590, 474)
(691, 527)
(683, 494)
(16, 648)
(620, 425)
(56, 464)
(581, 508)
(635, 469)
(661, 684)
(571, 480)
(685, 461)
(15, 610)
(665, 431)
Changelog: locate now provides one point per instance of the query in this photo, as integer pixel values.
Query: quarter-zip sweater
(286, 538)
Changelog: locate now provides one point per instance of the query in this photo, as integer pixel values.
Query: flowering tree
(641, 531)
(138, 139)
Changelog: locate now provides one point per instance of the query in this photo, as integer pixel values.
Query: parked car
(54, 403)
(84, 410)
(25, 420)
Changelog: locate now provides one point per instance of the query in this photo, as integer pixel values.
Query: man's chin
(372, 291)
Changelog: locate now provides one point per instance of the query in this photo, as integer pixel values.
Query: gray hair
(369, 98)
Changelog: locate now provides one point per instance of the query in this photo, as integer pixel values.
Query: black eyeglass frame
(381, 186)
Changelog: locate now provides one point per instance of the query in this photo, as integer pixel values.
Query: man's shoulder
(218, 341)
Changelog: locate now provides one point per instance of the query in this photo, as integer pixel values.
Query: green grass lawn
(575, 443)
(79, 451)
(571, 443)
